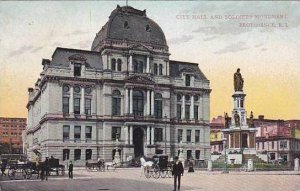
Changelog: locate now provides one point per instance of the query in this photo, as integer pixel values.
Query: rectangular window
(187, 80)
(66, 154)
(76, 105)
(283, 144)
(196, 112)
(77, 154)
(65, 105)
(66, 133)
(158, 109)
(189, 154)
(87, 109)
(272, 156)
(263, 145)
(158, 135)
(88, 133)
(115, 132)
(178, 111)
(197, 154)
(197, 136)
(116, 106)
(77, 69)
(188, 135)
(179, 135)
(187, 112)
(77, 133)
(272, 144)
(88, 154)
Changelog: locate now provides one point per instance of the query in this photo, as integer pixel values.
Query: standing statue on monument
(238, 81)
(226, 120)
(251, 123)
(237, 119)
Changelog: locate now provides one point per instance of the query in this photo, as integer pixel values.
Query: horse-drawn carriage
(100, 165)
(28, 169)
(159, 166)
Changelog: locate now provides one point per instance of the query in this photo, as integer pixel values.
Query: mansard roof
(62, 57)
(177, 67)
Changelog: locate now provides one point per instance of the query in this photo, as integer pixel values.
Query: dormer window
(160, 69)
(126, 26)
(113, 64)
(77, 70)
(187, 80)
(148, 28)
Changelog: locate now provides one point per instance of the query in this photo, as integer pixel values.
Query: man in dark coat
(177, 172)
(47, 167)
(3, 167)
(70, 170)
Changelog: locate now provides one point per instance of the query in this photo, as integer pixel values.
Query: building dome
(131, 25)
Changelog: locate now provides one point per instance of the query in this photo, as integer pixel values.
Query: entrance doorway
(138, 141)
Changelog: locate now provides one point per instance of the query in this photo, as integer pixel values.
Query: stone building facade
(124, 95)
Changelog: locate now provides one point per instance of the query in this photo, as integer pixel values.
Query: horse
(145, 164)
(112, 164)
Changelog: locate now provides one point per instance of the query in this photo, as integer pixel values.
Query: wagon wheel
(11, 173)
(63, 172)
(163, 173)
(156, 171)
(169, 173)
(147, 172)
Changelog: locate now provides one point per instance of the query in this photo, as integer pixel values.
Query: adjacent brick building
(11, 133)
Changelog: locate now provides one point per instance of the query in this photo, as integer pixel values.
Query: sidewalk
(251, 173)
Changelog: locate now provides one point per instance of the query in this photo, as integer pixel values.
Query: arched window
(155, 69)
(116, 102)
(158, 106)
(138, 103)
(119, 64)
(113, 64)
(160, 69)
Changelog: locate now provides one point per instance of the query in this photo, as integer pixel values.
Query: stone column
(148, 102)
(148, 135)
(130, 63)
(71, 106)
(183, 107)
(126, 101)
(131, 135)
(82, 102)
(192, 81)
(192, 108)
(126, 134)
(131, 101)
(152, 102)
(71, 138)
(167, 68)
(94, 102)
(201, 108)
(148, 65)
(152, 135)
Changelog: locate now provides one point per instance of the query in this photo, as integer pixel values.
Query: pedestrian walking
(42, 170)
(71, 170)
(3, 167)
(177, 172)
(47, 168)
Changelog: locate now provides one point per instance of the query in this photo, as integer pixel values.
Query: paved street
(130, 180)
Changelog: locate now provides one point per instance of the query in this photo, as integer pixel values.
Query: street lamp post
(267, 136)
(225, 162)
(165, 133)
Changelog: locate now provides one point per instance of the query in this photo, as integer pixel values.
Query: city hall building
(124, 95)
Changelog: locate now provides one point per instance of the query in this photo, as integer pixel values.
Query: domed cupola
(130, 26)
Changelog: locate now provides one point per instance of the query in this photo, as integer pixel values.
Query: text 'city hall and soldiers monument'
(125, 93)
